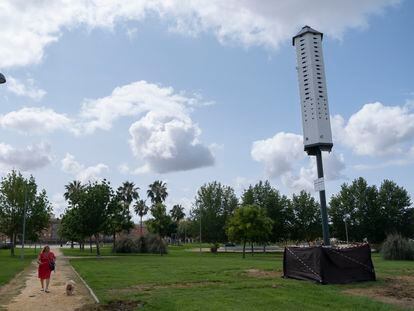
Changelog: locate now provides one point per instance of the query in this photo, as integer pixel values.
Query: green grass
(183, 280)
(10, 266)
(105, 251)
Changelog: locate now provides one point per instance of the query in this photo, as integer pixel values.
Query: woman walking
(46, 261)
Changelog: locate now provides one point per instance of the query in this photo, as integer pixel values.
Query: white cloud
(26, 159)
(29, 26)
(132, 100)
(167, 143)
(279, 153)
(29, 89)
(376, 130)
(82, 173)
(283, 157)
(58, 204)
(333, 165)
(164, 138)
(36, 120)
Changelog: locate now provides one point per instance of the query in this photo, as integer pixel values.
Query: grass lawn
(10, 266)
(183, 280)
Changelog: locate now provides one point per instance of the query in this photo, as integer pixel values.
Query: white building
(312, 87)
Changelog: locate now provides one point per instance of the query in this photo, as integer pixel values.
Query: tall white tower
(317, 136)
(312, 86)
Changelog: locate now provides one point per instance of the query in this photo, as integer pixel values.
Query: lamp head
(2, 78)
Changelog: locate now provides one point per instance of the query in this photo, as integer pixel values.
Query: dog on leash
(70, 288)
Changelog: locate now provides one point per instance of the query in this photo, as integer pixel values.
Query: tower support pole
(322, 197)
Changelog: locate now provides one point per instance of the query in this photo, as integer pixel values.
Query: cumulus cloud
(333, 165)
(132, 100)
(27, 89)
(28, 158)
(283, 157)
(82, 173)
(377, 129)
(279, 153)
(58, 204)
(164, 138)
(36, 120)
(29, 26)
(168, 143)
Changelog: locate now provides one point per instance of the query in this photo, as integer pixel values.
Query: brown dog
(70, 288)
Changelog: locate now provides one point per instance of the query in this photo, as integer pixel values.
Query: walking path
(30, 297)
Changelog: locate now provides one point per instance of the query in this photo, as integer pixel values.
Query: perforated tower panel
(312, 88)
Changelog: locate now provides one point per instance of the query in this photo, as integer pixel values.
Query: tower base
(329, 265)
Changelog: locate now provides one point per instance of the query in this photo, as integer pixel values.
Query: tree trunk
(114, 241)
(12, 241)
(90, 244)
(71, 244)
(264, 248)
(98, 251)
(160, 245)
(140, 227)
(252, 248)
(244, 248)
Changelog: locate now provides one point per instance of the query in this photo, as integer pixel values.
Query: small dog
(70, 288)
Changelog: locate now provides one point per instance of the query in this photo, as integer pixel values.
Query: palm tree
(72, 189)
(177, 213)
(128, 192)
(157, 192)
(141, 209)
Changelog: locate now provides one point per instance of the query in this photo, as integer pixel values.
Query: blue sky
(195, 91)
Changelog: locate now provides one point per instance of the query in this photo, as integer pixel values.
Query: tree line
(96, 209)
(370, 212)
(261, 215)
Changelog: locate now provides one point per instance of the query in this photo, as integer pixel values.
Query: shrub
(396, 247)
(156, 244)
(214, 248)
(125, 246)
(141, 243)
(146, 244)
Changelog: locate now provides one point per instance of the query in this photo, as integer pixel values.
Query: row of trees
(95, 209)
(370, 212)
(220, 216)
(262, 214)
(22, 205)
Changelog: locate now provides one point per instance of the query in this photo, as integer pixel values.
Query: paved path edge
(86, 284)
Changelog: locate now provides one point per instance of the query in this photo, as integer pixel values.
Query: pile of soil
(117, 305)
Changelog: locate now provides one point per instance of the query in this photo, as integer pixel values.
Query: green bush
(125, 246)
(214, 248)
(142, 245)
(396, 247)
(147, 244)
(156, 244)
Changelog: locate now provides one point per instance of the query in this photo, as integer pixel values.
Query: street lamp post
(24, 222)
(200, 230)
(346, 217)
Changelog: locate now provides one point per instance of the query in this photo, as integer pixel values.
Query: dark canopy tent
(329, 265)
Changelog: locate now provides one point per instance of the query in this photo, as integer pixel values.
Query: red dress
(44, 270)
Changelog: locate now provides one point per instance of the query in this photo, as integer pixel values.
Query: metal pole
(200, 230)
(346, 231)
(322, 198)
(24, 221)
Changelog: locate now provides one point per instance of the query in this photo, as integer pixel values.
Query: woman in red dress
(44, 259)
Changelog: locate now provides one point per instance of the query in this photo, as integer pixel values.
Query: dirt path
(25, 288)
